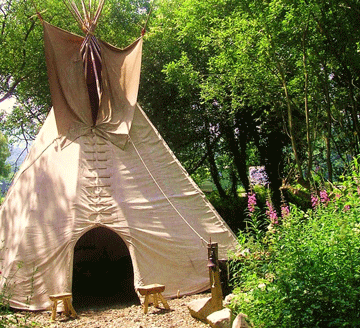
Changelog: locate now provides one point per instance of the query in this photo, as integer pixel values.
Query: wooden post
(214, 272)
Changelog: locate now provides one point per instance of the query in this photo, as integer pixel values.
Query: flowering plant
(271, 212)
(324, 197)
(252, 202)
(307, 273)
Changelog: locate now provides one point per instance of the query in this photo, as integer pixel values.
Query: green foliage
(265, 65)
(230, 209)
(5, 168)
(298, 196)
(20, 125)
(305, 271)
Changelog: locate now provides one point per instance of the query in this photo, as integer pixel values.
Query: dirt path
(127, 317)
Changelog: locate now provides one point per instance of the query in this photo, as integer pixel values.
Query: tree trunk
(213, 168)
(239, 155)
(290, 121)
(328, 126)
(307, 111)
(234, 184)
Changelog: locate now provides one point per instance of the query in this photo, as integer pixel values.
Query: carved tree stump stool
(155, 290)
(68, 308)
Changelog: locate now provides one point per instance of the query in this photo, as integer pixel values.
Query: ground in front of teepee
(127, 316)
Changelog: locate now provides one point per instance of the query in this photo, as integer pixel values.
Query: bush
(230, 209)
(303, 271)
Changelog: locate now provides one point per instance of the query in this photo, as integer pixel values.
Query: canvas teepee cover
(116, 172)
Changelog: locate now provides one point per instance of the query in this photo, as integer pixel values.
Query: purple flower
(271, 213)
(346, 208)
(258, 176)
(314, 201)
(324, 197)
(285, 211)
(251, 202)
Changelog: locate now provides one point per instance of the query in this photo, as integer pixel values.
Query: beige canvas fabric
(77, 177)
(120, 76)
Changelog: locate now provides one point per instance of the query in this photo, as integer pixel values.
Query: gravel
(120, 316)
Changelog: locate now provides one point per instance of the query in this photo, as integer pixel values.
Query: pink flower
(251, 202)
(324, 197)
(314, 201)
(285, 211)
(346, 208)
(271, 213)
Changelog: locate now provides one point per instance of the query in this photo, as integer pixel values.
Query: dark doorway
(103, 273)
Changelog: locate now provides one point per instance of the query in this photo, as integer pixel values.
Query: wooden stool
(155, 290)
(68, 308)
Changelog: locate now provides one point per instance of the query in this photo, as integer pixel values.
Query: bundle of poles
(87, 19)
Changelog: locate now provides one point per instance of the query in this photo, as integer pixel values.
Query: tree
(203, 88)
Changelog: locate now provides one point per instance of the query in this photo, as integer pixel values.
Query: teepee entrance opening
(103, 273)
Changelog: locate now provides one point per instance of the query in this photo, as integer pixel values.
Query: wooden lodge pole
(214, 272)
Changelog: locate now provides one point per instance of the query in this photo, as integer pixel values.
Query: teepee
(99, 162)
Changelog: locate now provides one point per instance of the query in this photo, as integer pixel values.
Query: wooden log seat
(68, 308)
(155, 290)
